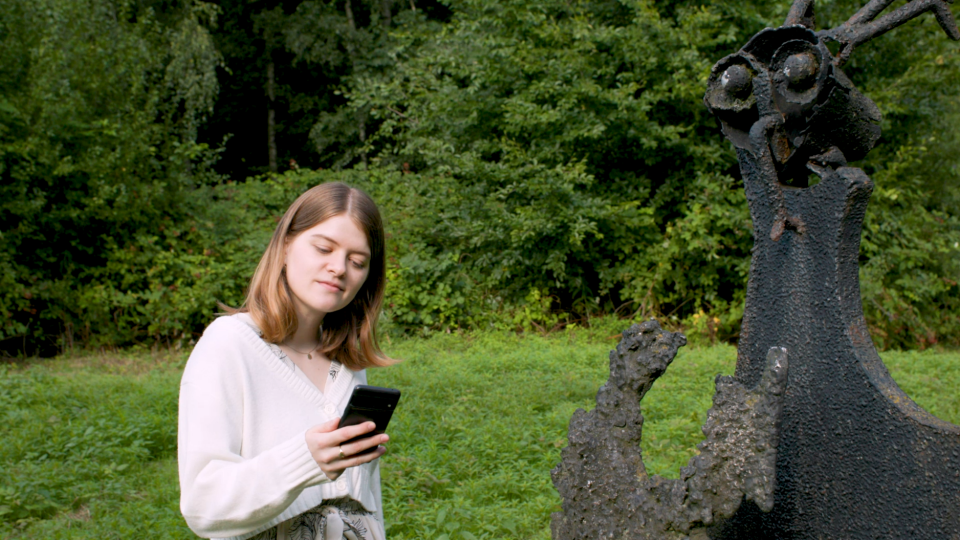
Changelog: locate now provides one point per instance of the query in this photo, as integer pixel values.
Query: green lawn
(88, 442)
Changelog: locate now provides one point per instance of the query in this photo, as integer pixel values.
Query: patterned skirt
(335, 519)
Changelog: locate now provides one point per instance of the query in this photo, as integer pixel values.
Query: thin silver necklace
(310, 352)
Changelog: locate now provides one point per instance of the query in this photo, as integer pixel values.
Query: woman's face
(327, 264)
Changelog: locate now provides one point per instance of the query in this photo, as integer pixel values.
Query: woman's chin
(324, 308)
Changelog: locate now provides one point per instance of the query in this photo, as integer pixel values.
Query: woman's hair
(349, 335)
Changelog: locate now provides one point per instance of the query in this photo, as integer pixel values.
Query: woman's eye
(359, 264)
(322, 249)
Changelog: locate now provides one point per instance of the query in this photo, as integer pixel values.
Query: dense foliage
(100, 102)
(537, 162)
(562, 150)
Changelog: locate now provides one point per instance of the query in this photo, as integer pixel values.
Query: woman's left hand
(326, 445)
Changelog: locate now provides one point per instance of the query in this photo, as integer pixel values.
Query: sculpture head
(790, 78)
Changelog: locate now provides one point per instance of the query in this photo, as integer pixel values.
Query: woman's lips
(330, 286)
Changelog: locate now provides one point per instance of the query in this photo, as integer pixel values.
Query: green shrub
(100, 102)
(537, 164)
(911, 269)
(563, 147)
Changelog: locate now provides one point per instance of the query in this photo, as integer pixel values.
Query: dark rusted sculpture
(605, 487)
(855, 456)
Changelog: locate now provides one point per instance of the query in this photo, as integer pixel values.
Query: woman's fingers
(354, 460)
(337, 466)
(352, 432)
(326, 444)
(356, 447)
(330, 449)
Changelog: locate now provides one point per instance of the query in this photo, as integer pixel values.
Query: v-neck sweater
(242, 452)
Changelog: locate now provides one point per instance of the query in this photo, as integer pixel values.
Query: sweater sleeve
(223, 494)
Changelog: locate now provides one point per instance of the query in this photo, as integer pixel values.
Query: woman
(259, 451)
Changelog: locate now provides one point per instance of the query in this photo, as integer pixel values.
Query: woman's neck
(307, 335)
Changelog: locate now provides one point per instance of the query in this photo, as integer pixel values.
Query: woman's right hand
(325, 443)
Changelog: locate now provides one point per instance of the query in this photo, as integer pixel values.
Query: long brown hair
(349, 335)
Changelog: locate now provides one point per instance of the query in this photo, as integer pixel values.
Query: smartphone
(370, 403)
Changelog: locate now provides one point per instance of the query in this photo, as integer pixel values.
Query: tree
(562, 147)
(267, 104)
(291, 60)
(100, 103)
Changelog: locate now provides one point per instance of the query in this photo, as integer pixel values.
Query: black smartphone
(370, 403)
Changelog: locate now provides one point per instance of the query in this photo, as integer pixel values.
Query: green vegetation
(90, 438)
(88, 442)
(537, 162)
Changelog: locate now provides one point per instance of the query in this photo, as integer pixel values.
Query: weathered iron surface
(857, 457)
(832, 448)
(601, 477)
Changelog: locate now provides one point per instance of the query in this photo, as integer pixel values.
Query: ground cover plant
(88, 442)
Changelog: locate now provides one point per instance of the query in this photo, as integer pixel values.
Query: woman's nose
(336, 266)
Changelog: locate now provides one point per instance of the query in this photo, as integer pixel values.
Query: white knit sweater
(243, 458)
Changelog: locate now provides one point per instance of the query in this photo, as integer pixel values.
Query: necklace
(308, 353)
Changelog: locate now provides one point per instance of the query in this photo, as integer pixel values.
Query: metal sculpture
(855, 456)
(602, 479)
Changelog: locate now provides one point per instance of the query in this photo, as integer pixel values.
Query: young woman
(259, 450)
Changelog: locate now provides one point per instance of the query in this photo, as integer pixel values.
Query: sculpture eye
(730, 87)
(737, 81)
(800, 71)
(798, 74)
(731, 98)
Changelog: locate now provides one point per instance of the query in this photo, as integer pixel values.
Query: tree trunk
(361, 121)
(385, 15)
(271, 121)
(353, 25)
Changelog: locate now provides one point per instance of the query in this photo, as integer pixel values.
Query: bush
(537, 164)
(564, 148)
(99, 107)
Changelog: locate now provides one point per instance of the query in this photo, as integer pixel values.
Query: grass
(89, 448)
(88, 442)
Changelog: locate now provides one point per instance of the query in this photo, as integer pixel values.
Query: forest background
(538, 163)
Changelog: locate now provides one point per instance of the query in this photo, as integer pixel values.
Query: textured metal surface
(857, 457)
(831, 448)
(601, 477)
